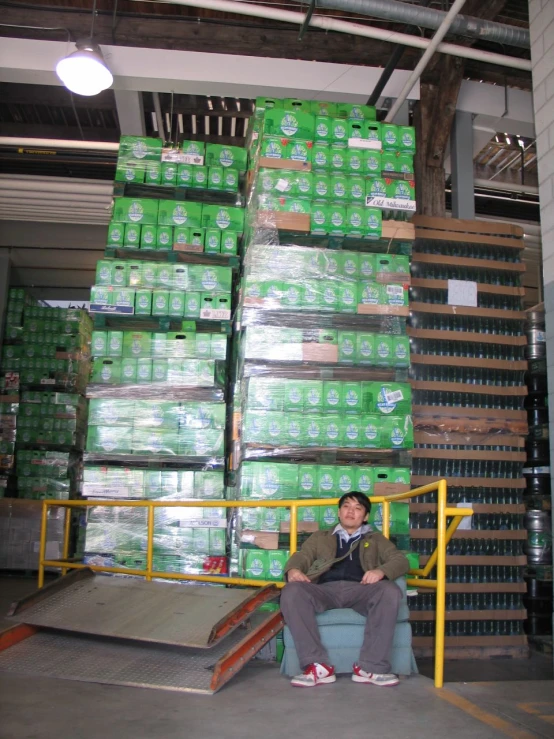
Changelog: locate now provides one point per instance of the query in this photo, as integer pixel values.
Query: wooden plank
(480, 560)
(482, 287)
(473, 482)
(494, 439)
(288, 164)
(473, 641)
(477, 507)
(484, 587)
(459, 225)
(393, 278)
(383, 310)
(501, 364)
(447, 424)
(497, 614)
(398, 231)
(474, 653)
(461, 387)
(464, 310)
(467, 262)
(284, 221)
(466, 238)
(459, 412)
(511, 534)
(439, 335)
(469, 454)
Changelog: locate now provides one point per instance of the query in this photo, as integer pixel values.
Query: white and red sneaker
(373, 678)
(314, 674)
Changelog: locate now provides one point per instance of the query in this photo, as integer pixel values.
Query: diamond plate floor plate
(160, 613)
(91, 659)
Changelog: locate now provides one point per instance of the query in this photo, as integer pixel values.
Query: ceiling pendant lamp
(84, 71)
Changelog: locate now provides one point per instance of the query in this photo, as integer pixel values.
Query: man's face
(352, 515)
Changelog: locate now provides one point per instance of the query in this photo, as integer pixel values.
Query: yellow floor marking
(485, 717)
(537, 710)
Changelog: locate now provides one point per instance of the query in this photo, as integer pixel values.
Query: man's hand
(295, 575)
(372, 576)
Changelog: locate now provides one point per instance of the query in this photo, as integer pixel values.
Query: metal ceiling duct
(416, 15)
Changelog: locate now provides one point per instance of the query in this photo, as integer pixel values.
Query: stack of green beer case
(157, 388)
(321, 353)
(174, 218)
(49, 352)
(346, 170)
(10, 365)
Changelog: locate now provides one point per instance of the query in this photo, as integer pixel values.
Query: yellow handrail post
(293, 543)
(42, 545)
(385, 510)
(441, 584)
(149, 540)
(66, 530)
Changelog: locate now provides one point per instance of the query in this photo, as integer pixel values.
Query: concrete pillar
(461, 152)
(541, 27)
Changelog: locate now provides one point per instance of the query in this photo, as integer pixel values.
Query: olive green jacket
(319, 553)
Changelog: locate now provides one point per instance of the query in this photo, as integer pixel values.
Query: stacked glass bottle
(321, 402)
(10, 366)
(538, 517)
(162, 312)
(46, 361)
(468, 386)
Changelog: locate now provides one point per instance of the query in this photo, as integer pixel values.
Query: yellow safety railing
(420, 577)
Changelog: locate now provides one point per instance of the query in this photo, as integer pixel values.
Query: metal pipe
(42, 543)
(56, 187)
(416, 74)
(39, 206)
(49, 180)
(416, 15)
(507, 186)
(355, 29)
(441, 584)
(386, 74)
(38, 196)
(58, 144)
(158, 111)
(385, 518)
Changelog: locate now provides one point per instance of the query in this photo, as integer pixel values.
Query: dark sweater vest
(349, 568)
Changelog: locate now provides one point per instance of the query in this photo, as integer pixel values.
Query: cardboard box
(140, 148)
(223, 217)
(218, 155)
(180, 213)
(141, 211)
(295, 125)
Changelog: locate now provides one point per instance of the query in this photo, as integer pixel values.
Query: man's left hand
(372, 576)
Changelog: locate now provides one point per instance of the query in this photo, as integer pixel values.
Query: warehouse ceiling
(50, 111)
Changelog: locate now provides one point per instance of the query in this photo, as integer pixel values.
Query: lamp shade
(84, 72)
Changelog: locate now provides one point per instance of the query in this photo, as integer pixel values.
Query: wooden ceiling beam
(32, 130)
(279, 40)
(50, 95)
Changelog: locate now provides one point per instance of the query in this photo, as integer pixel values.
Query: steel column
(461, 151)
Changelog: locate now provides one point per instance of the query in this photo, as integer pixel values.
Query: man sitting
(349, 567)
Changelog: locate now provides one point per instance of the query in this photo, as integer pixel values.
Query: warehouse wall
(541, 26)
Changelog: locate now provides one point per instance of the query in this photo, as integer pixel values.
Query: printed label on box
(215, 314)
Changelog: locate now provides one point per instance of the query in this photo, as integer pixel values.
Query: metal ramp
(94, 628)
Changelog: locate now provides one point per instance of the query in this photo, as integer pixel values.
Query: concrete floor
(259, 702)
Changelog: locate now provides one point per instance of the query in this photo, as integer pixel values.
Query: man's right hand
(296, 575)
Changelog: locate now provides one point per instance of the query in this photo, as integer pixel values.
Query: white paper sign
(462, 292)
(465, 523)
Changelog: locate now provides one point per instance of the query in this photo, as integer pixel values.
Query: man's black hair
(360, 497)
